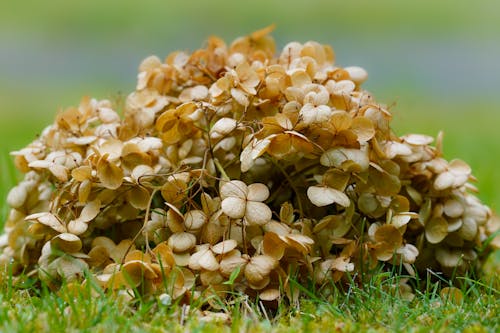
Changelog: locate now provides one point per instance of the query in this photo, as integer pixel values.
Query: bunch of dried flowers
(236, 170)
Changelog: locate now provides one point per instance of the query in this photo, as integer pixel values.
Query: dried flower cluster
(235, 170)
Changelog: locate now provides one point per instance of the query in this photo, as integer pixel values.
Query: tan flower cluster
(236, 170)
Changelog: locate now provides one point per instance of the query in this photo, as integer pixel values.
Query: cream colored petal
(77, 227)
(234, 188)
(444, 180)
(223, 127)
(207, 261)
(181, 241)
(194, 219)
(337, 156)
(234, 207)
(257, 213)
(90, 211)
(257, 192)
(225, 246)
(418, 139)
(323, 196)
(49, 220)
(357, 74)
(17, 196)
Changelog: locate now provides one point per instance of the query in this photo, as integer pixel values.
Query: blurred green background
(436, 62)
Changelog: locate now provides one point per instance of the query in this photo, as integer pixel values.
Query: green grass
(373, 306)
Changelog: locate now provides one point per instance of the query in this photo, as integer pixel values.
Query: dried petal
(324, 196)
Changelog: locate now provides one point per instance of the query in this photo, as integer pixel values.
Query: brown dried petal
(82, 173)
(110, 175)
(273, 245)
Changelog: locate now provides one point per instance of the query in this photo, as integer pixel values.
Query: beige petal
(77, 227)
(252, 151)
(454, 225)
(139, 197)
(459, 167)
(231, 262)
(357, 74)
(181, 241)
(90, 211)
(67, 242)
(259, 268)
(49, 220)
(257, 213)
(453, 208)
(82, 173)
(257, 192)
(449, 257)
(444, 180)
(84, 190)
(137, 270)
(234, 188)
(436, 229)
(207, 261)
(469, 228)
(323, 196)
(418, 139)
(342, 264)
(109, 174)
(234, 207)
(363, 128)
(300, 242)
(269, 295)
(182, 259)
(402, 219)
(140, 172)
(409, 253)
(336, 157)
(59, 171)
(223, 127)
(194, 260)
(194, 220)
(225, 246)
(17, 196)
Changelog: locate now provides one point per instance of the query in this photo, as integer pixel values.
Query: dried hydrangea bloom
(234, 167)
